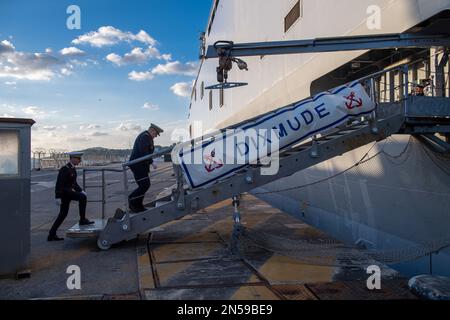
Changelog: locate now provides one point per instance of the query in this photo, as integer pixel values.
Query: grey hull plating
(398, 199)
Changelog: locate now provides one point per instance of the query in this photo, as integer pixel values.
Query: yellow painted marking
(280, 269)
(168, 270)
(58, 258)
(182, 251)
(254, 293)
(146, 280)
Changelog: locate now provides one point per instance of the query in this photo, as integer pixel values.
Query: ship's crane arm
(228, 51)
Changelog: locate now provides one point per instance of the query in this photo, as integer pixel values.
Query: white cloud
(176, 68)
(144, 37)
(136, 56)
(82, 63)
(6, 47)
(33, 111)
(98, 134)
(167, 57)
(53, 127)
(170, 68)
(66, 71)
(90, 127)
(10, 83)
(151, 107)
(140, 76)
(129, 127)
(72, 52)
(7, 108)
(108, 36)
(30, 66)
(182, 89)
(114, 58)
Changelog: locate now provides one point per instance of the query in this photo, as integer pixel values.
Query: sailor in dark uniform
(143, 146)
(67, 190)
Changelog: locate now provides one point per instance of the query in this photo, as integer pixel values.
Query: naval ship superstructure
(386, 195)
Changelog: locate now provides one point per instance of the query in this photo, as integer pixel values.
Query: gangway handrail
(101, 169)
(125, 166)
(163, 152)
(102, 186)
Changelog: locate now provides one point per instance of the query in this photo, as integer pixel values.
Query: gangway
(421, 116)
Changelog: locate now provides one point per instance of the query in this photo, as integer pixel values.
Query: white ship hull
(397, 199)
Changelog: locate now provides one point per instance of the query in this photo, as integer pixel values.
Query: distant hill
(97, 151)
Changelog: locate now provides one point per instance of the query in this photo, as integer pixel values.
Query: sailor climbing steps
(143, 146)
(68, 190)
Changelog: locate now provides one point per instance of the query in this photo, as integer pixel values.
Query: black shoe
(119, 214)
(85, 222)
(136, 209)
(54, 238)
(141, 209)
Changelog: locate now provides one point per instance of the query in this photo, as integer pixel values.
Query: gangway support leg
(236, 226)
(179, 193)
(373, 121)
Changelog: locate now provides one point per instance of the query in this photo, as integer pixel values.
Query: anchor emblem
(211, 163)
(353, 102)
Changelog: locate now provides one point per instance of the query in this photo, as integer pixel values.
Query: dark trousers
(65, 205)
(136, 198)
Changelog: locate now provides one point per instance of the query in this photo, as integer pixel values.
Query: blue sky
(131, 63)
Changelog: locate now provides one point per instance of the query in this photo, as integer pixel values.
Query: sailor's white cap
(76, 154)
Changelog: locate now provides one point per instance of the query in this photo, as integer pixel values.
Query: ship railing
(426, 76)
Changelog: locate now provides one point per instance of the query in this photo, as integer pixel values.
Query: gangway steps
(183, 201)
(291, 161)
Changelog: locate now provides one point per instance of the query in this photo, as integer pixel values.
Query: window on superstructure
(293, 16)
(221, 98)
(195, 93)
(210, 100)
(202, 90)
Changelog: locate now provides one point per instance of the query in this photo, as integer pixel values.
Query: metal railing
(102, 186)
(124, 170)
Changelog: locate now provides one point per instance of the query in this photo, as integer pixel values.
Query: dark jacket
(66, 181)
(143, 146)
